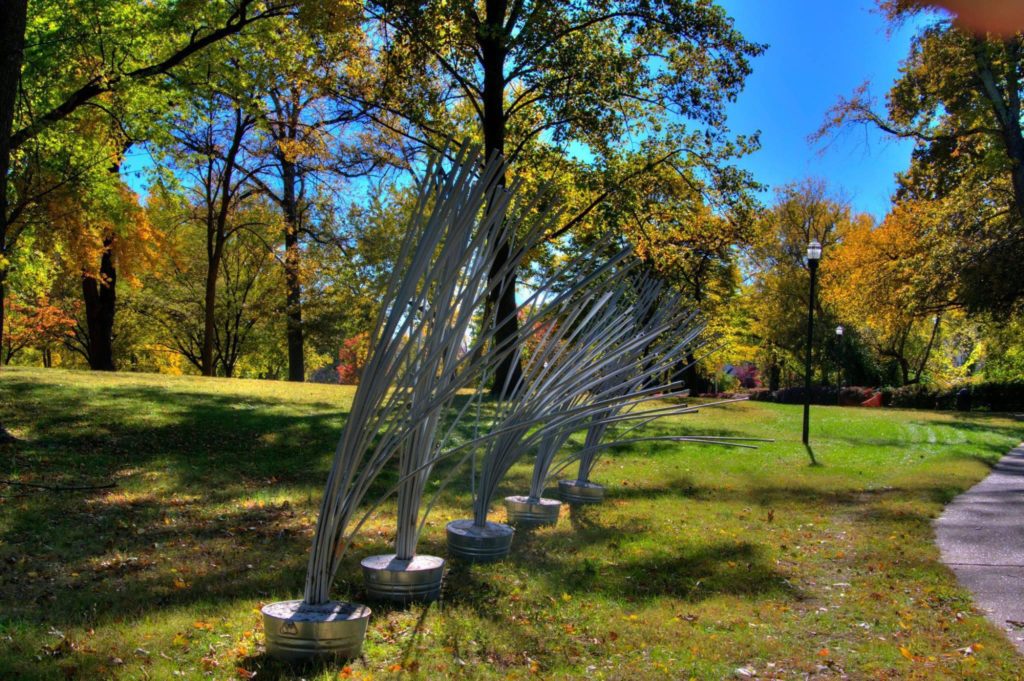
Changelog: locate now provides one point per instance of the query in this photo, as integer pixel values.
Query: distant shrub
(1001, 396)
(991, 396)
(819, 395)
(760, 394)
(852, 396)
(921, 397)
(352, 357)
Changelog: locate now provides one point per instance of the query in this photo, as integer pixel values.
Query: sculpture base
(580, 492)
(297, 632)
(526, 513)
(389, 578)
(474, 544)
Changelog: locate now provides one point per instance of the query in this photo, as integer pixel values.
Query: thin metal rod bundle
(647, 316)
(418, 361)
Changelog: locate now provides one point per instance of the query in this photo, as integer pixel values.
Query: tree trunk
(1006, 107)
(14, 14)
(47, 358)
(3, 307)
(292, 271)
(493, 51)
(217, 233)
(692, 377)
(100, 295)
(206, 360)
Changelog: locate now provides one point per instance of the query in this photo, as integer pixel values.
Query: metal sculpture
(416, 366)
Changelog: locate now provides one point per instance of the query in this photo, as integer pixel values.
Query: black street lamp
(813, 256)
(839, 341)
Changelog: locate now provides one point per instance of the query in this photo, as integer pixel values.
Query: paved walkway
(981, 537)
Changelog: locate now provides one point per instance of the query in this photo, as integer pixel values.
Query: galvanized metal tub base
(580, 491)
(526, 513)
(475, 544)
(390, 578)
(297, 632)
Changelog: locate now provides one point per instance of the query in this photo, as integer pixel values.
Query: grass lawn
(703, 561)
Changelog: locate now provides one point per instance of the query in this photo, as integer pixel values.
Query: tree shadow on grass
(686, 572)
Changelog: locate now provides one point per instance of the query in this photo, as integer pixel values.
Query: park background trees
(219, 189)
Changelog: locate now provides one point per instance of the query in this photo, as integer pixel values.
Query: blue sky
(817, 52)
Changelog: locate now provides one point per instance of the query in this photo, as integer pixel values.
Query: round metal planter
(297, 632)
(474, 544)
(526, 513)
(389, 578)
(580, 492)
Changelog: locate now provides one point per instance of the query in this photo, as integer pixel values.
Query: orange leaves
(180, 583)
(34, 324)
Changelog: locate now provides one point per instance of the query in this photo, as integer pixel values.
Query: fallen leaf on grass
(906, 653)
(245, 673)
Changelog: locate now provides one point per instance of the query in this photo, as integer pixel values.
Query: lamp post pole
(839, 340)
(813, 256)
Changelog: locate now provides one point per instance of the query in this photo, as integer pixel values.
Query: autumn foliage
(37, 324)
(352, 357)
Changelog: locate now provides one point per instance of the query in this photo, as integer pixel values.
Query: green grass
(703, 560)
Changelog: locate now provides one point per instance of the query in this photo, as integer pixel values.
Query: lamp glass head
(814, 250)
(839, 330)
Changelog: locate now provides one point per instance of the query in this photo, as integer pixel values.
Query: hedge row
(1006, 396)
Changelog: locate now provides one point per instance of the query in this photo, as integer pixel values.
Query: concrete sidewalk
(981, 537)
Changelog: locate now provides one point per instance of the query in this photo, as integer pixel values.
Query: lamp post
(813, 256)
(839, 341)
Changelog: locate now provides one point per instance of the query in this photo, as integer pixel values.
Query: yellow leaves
(179, 640)
(293, 150)
(180, 583)
(906, 653)
(566, 597)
